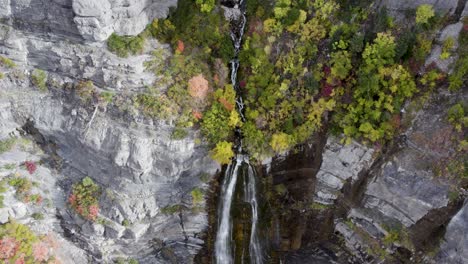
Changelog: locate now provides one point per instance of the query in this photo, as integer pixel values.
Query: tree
(223, 152)
(280, 142)
(198, 86)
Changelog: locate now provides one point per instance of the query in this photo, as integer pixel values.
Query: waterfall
(250, 191)
(224, 248)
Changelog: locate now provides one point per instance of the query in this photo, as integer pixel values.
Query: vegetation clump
(18, 244)
(39, 79)
(197, 196)
(125, 45)
(84, 199)
(423, 13)
(457, 117)
(223, 152)
(7, 144)
(460, 72)
(6, 62)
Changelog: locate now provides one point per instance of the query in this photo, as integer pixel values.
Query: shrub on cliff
(6, 62)
(423, 13)
(18, 244)
(6, 144)
(84, 198)
(456, 117)
(206, 5)
(39, 79)
(223, 152)
(123, 45)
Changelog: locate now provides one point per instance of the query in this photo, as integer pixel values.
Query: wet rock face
(87, 19)
(340, 163)
(406, 196)
(454, 249)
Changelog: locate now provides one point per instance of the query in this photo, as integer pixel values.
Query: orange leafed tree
(198, 86)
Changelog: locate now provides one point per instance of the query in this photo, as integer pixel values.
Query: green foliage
(132, 261)
(223, 152)
(456, 116)
(341, 64)
(197, 196)
(22, 185)
(2, 190)
(171, 209)
(280, 142)
(107, 96)
(121, 260)
(84, 198)
(459, 75)
(123, 45)
(126, 223)
(38, 216)
(7, 144)
(206, 5)
(185, 25)
(382, 88)
(85, 90)
(219, 121)
(460, 72)
(39, 79)
(155, 106)
(179, 133)
(424, 12)
(23, 237)
(6, 62)
(423, 47)
(447, 47)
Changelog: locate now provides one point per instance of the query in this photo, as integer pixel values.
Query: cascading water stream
(223, 246)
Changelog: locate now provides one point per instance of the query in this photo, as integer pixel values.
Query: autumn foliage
(18, 245)
(30, 166)
(180, 46)
(198, 87)
(84, 199)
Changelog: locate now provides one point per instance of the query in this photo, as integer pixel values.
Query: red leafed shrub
(197, 114)
(327, 90)
(395, 121)
(93, 212)
(198, 86)
(8, 247)
(84, 199)
(19, 244)
(30, 166)
(226, 104)
(20, 260)
(242, 84)
(180, 46)
(40, 251)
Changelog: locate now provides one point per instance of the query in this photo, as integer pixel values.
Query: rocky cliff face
(374, 204)
(146, 177)
(85, 19)
(362, 202)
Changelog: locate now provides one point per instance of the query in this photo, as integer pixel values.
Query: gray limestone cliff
(143, 173)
